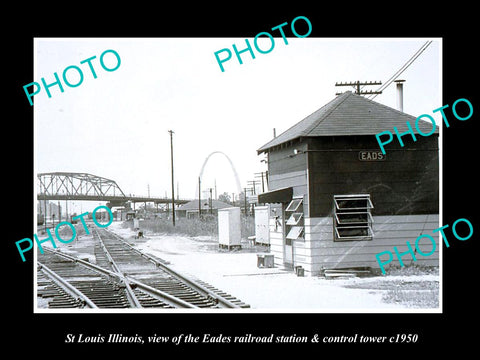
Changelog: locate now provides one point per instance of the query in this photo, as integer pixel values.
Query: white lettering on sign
(371, 155)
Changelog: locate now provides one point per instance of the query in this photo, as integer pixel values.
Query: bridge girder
(83, 186)
(77, 185)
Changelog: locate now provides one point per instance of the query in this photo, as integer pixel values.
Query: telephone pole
(245, 200)
(199, 199)
(173, 182)
(252, 183)
(210, 202)
(260, 174)
(356, 85)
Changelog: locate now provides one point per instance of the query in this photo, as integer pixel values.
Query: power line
(402, 69)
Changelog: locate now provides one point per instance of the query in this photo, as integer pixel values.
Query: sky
(116, 126)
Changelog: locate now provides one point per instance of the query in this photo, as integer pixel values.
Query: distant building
(50, 209)
(208, 206)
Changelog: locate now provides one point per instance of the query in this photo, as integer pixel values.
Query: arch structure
(234, 171)
(77, 186)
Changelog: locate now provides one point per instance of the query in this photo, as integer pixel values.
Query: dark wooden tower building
(338, 200)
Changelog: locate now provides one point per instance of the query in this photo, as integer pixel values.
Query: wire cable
(402, 69)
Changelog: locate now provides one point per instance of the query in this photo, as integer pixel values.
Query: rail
(218, 299)
(133, 281)
(132, 298)
(156, 293)
(66, 286)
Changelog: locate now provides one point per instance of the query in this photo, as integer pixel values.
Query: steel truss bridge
(83, 186)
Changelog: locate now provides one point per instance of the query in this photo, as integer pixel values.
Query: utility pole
(45, 205)
(199, 199)
(211, 210)
(245, 200)
(173, 182)
(253, 183)
(356, 86)
(260, 174)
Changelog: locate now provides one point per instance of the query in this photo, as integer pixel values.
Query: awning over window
(276, 196)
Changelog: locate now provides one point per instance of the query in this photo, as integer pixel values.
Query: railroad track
(66, 283)
(122, 277)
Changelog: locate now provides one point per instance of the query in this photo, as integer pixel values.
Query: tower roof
(349, 114)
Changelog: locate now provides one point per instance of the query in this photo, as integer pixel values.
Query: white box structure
(262, 219)
(229, 234)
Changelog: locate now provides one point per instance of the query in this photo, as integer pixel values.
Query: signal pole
(173, 182)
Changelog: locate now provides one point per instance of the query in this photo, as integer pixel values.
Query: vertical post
(173, 182)
(211, 210)
(45, 205)
(245, 200)
(199, 199)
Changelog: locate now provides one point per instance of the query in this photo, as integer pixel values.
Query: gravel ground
(278, 290)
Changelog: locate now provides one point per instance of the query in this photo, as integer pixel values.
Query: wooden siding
(284, 160)
(318, 251)
(288, 170)
(407, 182)
(404, 190)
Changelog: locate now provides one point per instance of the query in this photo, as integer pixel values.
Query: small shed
(341, 200)
(130, 215)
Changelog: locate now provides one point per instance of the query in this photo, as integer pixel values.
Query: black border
(45, 333)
